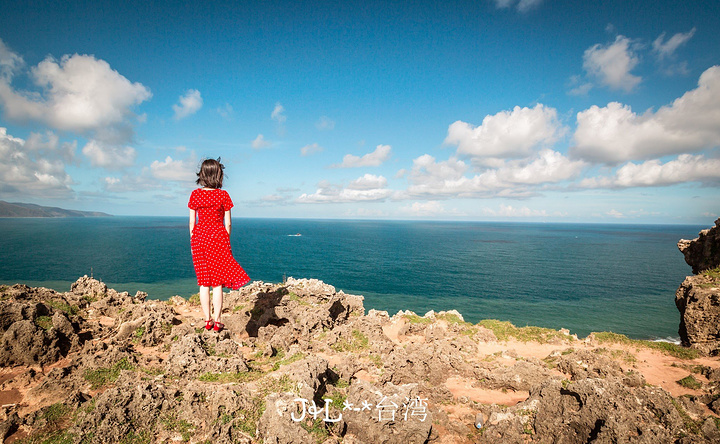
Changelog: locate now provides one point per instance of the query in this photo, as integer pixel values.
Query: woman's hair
(211, 173)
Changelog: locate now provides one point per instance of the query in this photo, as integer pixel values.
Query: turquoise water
(579, 276)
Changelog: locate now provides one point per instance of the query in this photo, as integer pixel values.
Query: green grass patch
(317, 429)
(238, 308)
(246, 419)
(667, 348)
(194, 299)
(72, 310)
(336, 399)
(106, 375)
(298, 299)
(180, 426)
(713, 273)
(690, 382)
(505, 330)
(296, 357)
(134, 437)
(415, 319)
(228, 377)
(341, 383)
(44, 322)
(358, 341)
(376, 359)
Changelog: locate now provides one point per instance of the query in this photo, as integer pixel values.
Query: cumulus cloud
(520, 5)
(516, 178)
(259, 142)
(189, 104)
(652, 173)
(364, 189)
(278, 114)
(111, 157)
(611, 64)
(10, 62)
(79, 93)
(615, 213)
(615, 133)
(515, 133)
(175, 170)
(368, 182)
(510, 211)
(375, 158)
(34, 167)
(325, 123)
(666, 48)
(310, 149)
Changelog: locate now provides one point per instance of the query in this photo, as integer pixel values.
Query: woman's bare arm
(192, 220)
(228, 222)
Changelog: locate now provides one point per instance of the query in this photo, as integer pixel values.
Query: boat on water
(295, 235)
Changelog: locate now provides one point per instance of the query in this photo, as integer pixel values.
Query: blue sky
(526, 110)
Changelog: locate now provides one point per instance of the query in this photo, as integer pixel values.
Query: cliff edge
(301, 362)
(698, 297)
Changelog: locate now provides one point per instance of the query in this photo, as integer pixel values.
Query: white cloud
(521, 5)
(111, 157)
(516, 133)
(175, 170)
(80, 93)
(33, 167)
(364, 189)
(515, 178)
(10, 62)
(510, 211)
(260, 142)
(615, 213)
(368, 182)
(365, 212)
(189, 104)
(429, 208)
(664, 49)
(611, 64)
(131, 183)
(686, 168)
(325, 124)
(277, 114)
(615, 133)
(310, 149)
(376, 158)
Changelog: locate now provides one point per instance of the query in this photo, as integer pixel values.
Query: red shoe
(219, 326)
(209, 324)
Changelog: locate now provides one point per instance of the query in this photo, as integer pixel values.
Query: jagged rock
(589, 410)
(42, 336)
(276, 425)
(703, 252)
(86, 286)
(698, 297)
(521, 376)
(432, 363)
(194, 355)
(147, 324)
(698, 300)
(395, 413)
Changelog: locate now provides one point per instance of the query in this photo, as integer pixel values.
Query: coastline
(304, 339)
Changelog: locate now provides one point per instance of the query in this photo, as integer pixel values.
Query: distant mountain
(18, 209)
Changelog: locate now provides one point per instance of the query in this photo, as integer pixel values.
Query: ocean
(583, 277)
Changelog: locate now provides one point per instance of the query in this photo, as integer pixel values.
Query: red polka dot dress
(210, 243)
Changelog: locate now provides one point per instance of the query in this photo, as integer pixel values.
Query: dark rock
(703, 252)
(698, 300)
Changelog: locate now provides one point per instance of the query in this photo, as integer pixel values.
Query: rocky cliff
(301, 362)
(698, 297)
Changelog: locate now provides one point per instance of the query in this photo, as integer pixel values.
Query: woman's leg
(205, 301)
(217, 302)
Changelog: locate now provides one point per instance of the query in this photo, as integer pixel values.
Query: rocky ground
(94, 366)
